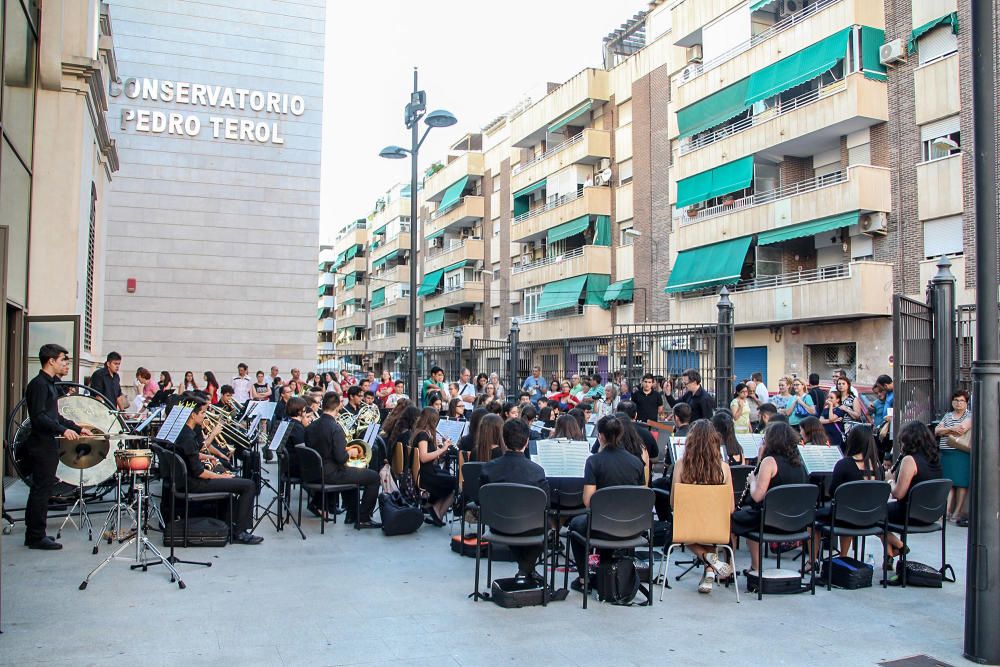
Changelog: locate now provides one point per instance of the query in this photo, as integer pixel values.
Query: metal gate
(557, 358)
(913, 359)
(965, 344)
(667, 350)
(445, 357)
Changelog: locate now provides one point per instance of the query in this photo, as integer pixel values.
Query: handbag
(962, 443)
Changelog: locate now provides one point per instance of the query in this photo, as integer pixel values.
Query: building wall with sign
(214, 213)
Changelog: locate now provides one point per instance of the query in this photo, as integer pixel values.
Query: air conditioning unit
(694, 54)
(603, 178)
(605, 163)
(791, 6)
(527, 248)
(891, 52)
(437, 242)
(876, 223)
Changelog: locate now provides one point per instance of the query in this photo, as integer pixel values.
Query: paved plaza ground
(360, 598)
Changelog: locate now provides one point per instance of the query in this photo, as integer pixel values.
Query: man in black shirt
(682, 420)
(702, 404)
(202, 480)
(41, 452)
(647, 437)
(327, 437)
(816, 392)
(648, 401)
(106, 381)
(514, 468)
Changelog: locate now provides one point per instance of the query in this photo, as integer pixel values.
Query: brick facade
(642, 213)
(505, 217)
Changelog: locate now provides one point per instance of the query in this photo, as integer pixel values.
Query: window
(625, 236)
(625, 172)
(625, 113)
(941, 138)
(943, 236)
(768, 260)
(936, 44)
(825, 359)
(88, 305)
(530, 301)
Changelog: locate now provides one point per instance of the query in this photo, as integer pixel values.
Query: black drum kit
(115, 456)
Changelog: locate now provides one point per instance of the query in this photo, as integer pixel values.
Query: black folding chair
(928, 503)
(470, 490)
(174, 473)
(564, 504)
(621, 517)
(859, 509)
(311, 467)
(787, 514)
(517, 516)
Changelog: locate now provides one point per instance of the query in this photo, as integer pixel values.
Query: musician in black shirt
(354, 397)
(702, 404)
(202, 480)
(41, 451)
(327, 437)
(299, 418)
(107, 382)
(648, 400)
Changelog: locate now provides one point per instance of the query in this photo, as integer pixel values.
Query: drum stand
(84, 515)
(114, 519)
(142, 545)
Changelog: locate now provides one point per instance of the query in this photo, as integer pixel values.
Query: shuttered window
(936, 44)
(943, 236)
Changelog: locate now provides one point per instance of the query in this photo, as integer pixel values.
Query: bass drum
(82, 410)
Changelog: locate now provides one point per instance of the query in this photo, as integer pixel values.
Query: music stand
(280, 435)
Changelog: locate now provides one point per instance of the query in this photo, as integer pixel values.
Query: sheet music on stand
(452, 430)
(562, 457)
(817, 458)
(252, 431)
(279, 435)
(149, 420)
(589, 429)
(174, 422)
(750, 442)
(371, 433)
(540, 426)
(262, 410)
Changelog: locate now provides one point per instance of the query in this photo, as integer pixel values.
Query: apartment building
(389, 275)
(345, 283)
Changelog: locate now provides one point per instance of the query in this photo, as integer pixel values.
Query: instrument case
(202, 531)
(848, 573)
(777, 582)
(507, 593)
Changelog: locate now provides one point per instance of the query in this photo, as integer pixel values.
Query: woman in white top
(607, 404)
(498, 386)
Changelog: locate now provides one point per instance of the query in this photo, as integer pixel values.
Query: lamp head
(440, 118)
(394, 153)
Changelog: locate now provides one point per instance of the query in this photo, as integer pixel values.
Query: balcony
(817, 22)
(534, 223)
(834, 110)
(528, 127)
(586, 147)
(469, 249)
(327, 256)
(858, 289)
(325, 302)
(446, 336)
(359, 292)
(327, 279)
(466, 164)
(465, 294)
(936, 89)
(399, 274)
(400, 242)
(858, 188)
(588, 259)
(399, 307)
(394, 342)
(326, 324)
(354, 265)
(354, 236)
(325, 347)
(395, 209)
(581, 322)
(939, 187)
(467, 211)
(689, 16)
(359, 318)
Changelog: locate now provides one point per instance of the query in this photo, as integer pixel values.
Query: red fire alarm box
(130, 285)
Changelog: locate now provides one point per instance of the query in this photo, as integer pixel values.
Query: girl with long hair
(467, 443)
(489, 439)
(211, 387)
(439, 483)
(723, 423)
(921, 462)
(813, 433)
(568, 427)
(189, 384)
(456, 410)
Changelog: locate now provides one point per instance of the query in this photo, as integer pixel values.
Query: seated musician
(514, 468)
(610, 466)
(355, 396)
(682, 419)
(648, 439)
(299, 418)
(701, 465)
(438, 482)
(226, 401)
(724, 424)
(568, 427)
(780, 465)
(921, 462)
(467, 443)
(489, 438)
(202, 480)
(327, 437)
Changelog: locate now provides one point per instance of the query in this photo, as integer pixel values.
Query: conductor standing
(41, 451)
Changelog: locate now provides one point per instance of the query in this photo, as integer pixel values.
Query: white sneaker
(721, 567)
(706, 583)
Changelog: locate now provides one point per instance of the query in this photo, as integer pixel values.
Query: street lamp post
(413, 112)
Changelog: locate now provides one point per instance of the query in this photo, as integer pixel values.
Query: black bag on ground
(848, 573)
(398, 516)
(617, 581)
(202, 531)
(918, 574)
(662, 533)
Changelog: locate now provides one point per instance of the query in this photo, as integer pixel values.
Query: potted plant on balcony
(692, 211)
(433, 169)
(728, 199)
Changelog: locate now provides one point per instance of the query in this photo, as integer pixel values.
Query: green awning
(381, 261)
(531, 188)
(798, 68)
(714, 109)
(620, 290)
(759, 4)
(378, 297)
(602, 232)
(561, 294)
(571, 116)
(810, 228)
(710, 265)
(722, 180)
(380, 230)
(872, 40)
(435, 235)
(320, 312)
(947, 19)
(430, 282)
(350, 281)
(597, 285)
(320, 290)
(568, 229)
(352, 252)
(433, 318)
(452, 194)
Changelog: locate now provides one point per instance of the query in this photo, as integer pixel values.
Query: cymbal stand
(142, 545)
(260, 512)
(113, 524)
(84, 515)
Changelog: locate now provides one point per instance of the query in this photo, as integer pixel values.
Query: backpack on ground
(398, 516)
(618, 581)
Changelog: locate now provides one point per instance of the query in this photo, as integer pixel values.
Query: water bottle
(870, 560)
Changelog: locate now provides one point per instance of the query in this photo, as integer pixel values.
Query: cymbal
(84, 452)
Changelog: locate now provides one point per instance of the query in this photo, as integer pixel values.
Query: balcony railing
(444, 211)
(548, 153)
(551, 203)
(779, 109)
(697, 69)
(766, 197)
(831, 272)
(550, 315)
(545, 261)
(454, 244)
(441, 331)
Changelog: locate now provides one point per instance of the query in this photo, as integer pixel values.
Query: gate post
(724, 350)
(515, 354)
(458, 353)
(629, 355)
(941, 299)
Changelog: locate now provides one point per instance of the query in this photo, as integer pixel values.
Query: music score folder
(562, 458)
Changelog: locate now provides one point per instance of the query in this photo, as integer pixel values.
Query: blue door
(750, 360)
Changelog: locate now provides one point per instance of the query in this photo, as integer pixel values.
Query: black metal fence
(913, 359)
(557, 359)
(965, 344)
(668, 350)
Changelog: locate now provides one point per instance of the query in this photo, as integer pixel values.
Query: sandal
(723, 569)
(706, 583)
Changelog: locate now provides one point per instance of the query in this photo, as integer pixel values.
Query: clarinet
(746, 489)
(895, 466)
